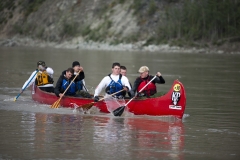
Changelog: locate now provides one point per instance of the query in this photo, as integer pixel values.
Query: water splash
(9, 99)
(185, 116)
(113, 103)
(77, 109)
(92, 110)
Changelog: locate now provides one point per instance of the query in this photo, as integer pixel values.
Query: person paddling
(63, 83)
(144, 78)
(81, 86)
(112, 83)
(43, 78)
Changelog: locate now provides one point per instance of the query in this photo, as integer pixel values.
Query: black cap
(41, 63)
(75, 63)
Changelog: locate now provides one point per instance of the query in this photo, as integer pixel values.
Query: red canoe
(171, 104)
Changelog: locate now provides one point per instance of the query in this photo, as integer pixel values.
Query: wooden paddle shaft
(112, 94)
(141, 90)
(100, 99)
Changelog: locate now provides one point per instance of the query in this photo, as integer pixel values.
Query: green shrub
(86, 31)
(40, 33)
(32, 6)
(23, 29)
(202, 20)
(69, 29)
(152, 8)
(150, 40)
(137, 6)
(121, 1)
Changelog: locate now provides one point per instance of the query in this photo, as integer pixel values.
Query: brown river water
(210, 128)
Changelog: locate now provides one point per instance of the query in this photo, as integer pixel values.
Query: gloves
(96, 99)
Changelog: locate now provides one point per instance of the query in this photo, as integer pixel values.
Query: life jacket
(149, 90)
(79, 85)
(71, 90)
(43, 78)
(115, 86)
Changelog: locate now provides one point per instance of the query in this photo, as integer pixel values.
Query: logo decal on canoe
(177, 87)
(175, 107)
(176, 97)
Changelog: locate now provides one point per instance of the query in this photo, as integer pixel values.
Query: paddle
(25, 86)
(56, 104)
(119, 111)
(85, 87)
(89, 105)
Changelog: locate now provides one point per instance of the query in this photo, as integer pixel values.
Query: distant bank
(207, 26)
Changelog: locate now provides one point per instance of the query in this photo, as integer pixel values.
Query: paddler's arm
(50, 71)
(159, 79)
(126, 83)
(80, 77)
(135, 86)
(58, 87)
(100, 87)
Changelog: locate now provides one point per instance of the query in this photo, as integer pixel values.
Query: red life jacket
(150, 89)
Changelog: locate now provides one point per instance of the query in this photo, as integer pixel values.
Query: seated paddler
(42, 76)
(82, 91)
(113, 83)
(142, 81)
(63, 83)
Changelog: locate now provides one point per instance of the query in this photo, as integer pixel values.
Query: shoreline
(79, 43)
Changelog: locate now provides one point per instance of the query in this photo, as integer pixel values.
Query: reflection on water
(141, 137)
(93, 136)
(166, 137)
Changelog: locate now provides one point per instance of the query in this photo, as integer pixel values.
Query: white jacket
(48, 70)
(107, 80)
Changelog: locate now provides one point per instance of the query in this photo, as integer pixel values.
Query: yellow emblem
(177, 87)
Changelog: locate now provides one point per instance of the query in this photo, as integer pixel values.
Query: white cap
(143, 69)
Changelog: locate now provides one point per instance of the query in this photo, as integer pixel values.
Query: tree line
(194, 20)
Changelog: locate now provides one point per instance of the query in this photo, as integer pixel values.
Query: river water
(210, 128)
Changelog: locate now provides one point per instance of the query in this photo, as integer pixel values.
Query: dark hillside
(183, 23)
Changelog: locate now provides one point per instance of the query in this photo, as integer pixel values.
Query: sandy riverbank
(79, 43)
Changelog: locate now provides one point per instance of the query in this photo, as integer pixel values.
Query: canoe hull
(173, 103)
